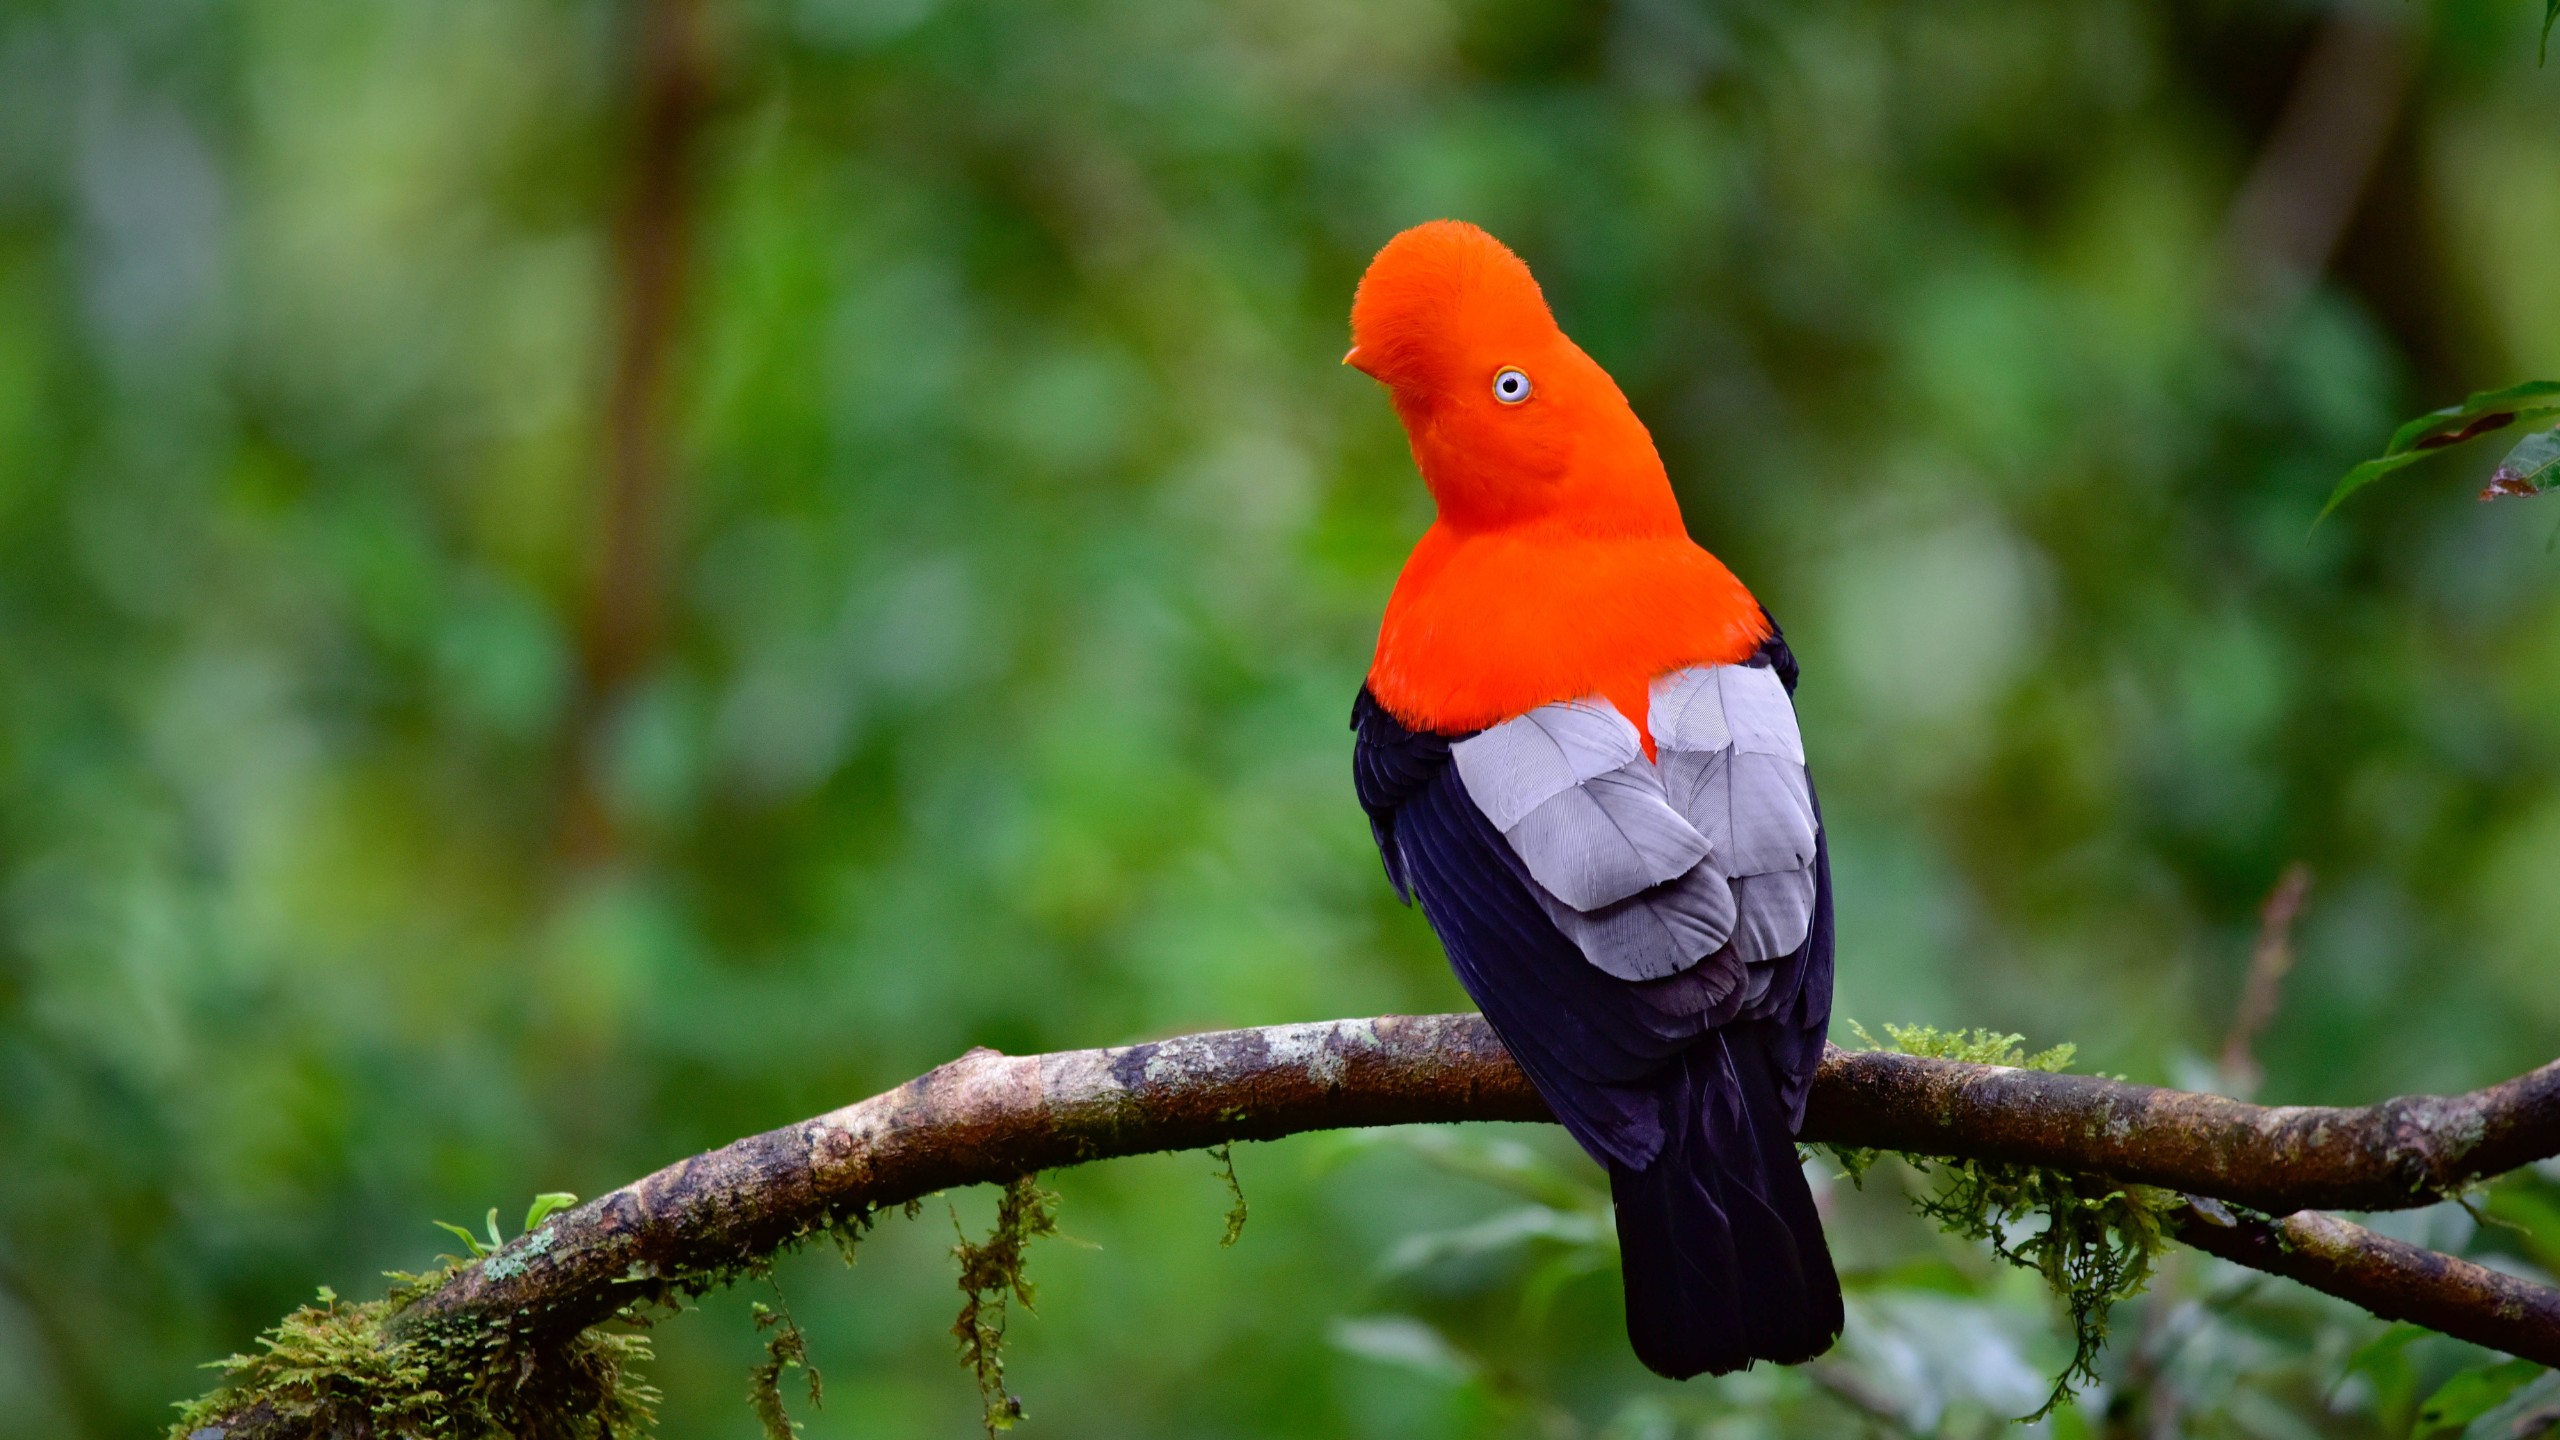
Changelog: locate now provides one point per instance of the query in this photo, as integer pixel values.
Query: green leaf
(2455, 423)
(465, 1236)
(2529, 1207)
(1502, 1234)
(2530, 468)
(2530, 1410)
(2486, 411)
(1499, 1161)
(496, 1241)
(2363, 475)
(2381, 1348)
(2384, 1360)
(1405, 1343)
(2471, 1393)
(2550, 13)
(544, 1204)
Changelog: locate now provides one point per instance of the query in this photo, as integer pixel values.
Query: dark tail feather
(1723, 1252)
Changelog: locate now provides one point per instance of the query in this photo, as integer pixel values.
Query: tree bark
(991, 1117)
(2396, 1155)
(2391, 1278)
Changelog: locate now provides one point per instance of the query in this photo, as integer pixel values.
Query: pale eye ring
(1511, 385)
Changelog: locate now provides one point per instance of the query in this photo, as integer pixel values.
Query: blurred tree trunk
(2310, 176)
(652, 234)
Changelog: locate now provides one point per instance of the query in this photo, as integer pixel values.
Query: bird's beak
(1351, 357)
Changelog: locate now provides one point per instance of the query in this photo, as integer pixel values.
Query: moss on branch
(2091, 1238)
(346, 1368)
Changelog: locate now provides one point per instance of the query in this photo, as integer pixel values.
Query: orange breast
(1484, 626)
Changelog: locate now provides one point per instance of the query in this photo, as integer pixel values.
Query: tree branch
(2396, 1155)
(2391, 1278)
(991, 1117)
(986, 1117)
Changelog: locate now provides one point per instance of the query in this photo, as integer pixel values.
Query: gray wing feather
(1570, 790)
(1688, 712)
(1766, 823)
(1757, 711)
(1712, 988)
(1593, 845)
(1661, 931)
(1689, 775)
(1688, 873)
(1772, 914)
(1520, 764)
(1732, 761)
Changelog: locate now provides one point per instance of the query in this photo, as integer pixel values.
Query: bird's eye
(1511, 387)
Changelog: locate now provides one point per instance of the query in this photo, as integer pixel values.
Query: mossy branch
(990, 1118)
(2090, 1237)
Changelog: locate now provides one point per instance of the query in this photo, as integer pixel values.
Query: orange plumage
(1558, 566)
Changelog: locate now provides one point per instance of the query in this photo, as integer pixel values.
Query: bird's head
(1509, 420)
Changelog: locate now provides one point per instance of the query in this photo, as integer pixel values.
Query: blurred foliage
(1023, 551)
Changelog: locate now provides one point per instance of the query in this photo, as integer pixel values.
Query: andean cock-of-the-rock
(1577, 748)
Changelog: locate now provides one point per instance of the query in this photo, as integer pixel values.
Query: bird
(1577, 749)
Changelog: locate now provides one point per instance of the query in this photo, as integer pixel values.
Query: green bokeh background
(1023, 547)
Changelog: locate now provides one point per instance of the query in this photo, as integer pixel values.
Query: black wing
(1593, 1043)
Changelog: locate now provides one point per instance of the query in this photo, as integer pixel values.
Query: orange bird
(1577, 748)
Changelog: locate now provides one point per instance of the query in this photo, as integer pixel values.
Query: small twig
(2268, 964)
